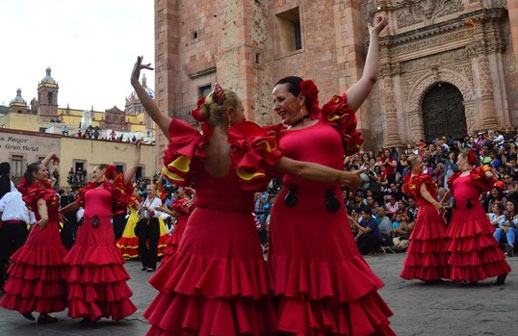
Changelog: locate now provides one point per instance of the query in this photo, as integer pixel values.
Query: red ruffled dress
(322, 283)
(474, 252)
(182, 215)
(37, 277)
(217, 282)
(97, 278)
(427, 257)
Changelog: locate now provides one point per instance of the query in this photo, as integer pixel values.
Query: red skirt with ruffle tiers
(97, 278)
(474, 252)
(37, 277)
(216, 283)
(322, 283)
(427, 257)
(173, 241)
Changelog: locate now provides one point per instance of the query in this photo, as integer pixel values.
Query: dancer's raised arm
(128, 175)
(151, 107)
(361, 89)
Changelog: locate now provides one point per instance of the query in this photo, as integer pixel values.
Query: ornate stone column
(391, 123)
(482, 79)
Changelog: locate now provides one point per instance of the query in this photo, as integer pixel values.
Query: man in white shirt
(14, 217)
(149, 233)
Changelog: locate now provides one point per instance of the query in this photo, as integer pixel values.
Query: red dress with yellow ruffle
(322, 283)
(37, 276)
(182, 215)
(474, 252)
(217, 282)
(97, 278)
(128, 243)
(427, 257)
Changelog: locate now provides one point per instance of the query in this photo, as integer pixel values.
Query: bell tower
(48, 97)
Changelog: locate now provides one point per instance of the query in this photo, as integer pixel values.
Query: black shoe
(86, 321)
(501, 279)
(46, 319)
(143, 269)
(473, 283)
(509, 251)
(29, 316)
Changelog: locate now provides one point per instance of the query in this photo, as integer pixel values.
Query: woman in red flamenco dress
(181, 209)
(322, 283)
(474, 252)
(37, 276)
(96, 277)
(427, 257)
(217, 282)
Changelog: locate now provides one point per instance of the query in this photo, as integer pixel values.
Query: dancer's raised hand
(135, 74)
(381, 23)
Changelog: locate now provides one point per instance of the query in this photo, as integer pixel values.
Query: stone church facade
(447, 67)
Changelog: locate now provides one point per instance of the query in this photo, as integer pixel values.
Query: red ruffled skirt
(474, 252)
(322, 283)
(97, 278)
(37, 277)
(173, 241)
(427, 257)
(216, 283)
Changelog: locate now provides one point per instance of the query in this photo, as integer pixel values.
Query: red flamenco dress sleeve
(37, 276)
(183, 152)
(121, 198)
(452, 179)
(254, 155)
(337, 112)
(480, 180)
(412, 187)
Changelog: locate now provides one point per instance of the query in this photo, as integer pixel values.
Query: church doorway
(443, 112)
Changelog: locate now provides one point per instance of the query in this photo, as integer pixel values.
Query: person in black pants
(68, 233)
(14, 217)
(149, 230)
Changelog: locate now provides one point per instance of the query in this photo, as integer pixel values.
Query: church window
(203, 91)
(50, 95)
(289, 31)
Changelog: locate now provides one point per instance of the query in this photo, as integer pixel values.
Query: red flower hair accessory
(196, 112)
(309, 90)
(472, 158)
(110, 172)
(219, 95)
(500, 185)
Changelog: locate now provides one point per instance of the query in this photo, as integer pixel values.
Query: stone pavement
(449, 309)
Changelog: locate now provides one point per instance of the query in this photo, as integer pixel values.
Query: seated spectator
(412, 206)
(402, 232)
(368, 238)
(385, 227)
(506, 232)
(496, 215)
(392, 206)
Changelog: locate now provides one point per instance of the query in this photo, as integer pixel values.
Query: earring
(228, 123)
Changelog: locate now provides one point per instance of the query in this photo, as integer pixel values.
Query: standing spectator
(68, 233)
(64, 130)
(390, 165)
(79, 134)
(14, 217)
(450, 167)
(113, 135)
